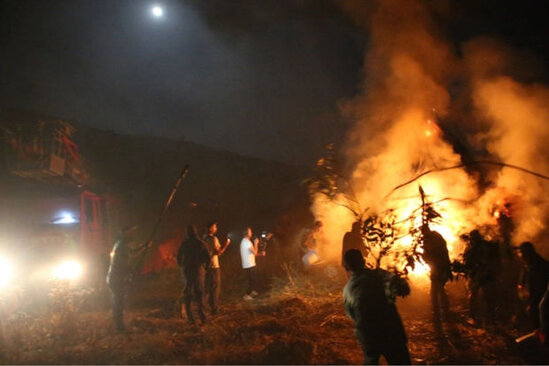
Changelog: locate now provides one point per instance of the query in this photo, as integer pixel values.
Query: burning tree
(329, 180)
(425, 215)
(381, 233)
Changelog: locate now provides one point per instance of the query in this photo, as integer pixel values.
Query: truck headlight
(6, 272)
(68, 270)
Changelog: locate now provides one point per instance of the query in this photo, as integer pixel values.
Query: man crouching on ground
(377, 324)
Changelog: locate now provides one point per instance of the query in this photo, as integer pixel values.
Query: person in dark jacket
(193, 257)
(536, 278)
(118, 274)
(378, 326)
(435, 254)
(352, 240)
(482, 263)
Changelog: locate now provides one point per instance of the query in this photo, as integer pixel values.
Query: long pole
(149, 240)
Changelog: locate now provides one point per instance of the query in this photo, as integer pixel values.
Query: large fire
(410, 152)
(411, 119)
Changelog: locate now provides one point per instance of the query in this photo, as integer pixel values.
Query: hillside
(234, 189)
(139, 172)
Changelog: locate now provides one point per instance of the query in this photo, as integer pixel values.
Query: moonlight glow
(157, 11)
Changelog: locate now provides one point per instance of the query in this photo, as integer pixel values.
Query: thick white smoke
(398, 133)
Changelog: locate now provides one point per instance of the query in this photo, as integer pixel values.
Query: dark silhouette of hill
(139, 173)
(234, 189)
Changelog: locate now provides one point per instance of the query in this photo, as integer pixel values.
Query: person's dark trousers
(396, 353)
(193, 288)
(251, 275)
(213, 287)
(533, 312)
(439, 299)
(118, 292)
(261, 272)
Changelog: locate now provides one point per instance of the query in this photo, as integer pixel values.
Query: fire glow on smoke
(408, 122)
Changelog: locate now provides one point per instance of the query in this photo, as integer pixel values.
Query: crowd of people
(198, 258)
(488, 267)
(378, 327)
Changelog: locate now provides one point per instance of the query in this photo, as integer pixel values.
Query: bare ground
(299, 321)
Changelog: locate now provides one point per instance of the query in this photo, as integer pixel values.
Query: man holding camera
(248, 251)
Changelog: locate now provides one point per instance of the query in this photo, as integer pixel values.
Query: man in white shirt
(213, 274)
(248, 252)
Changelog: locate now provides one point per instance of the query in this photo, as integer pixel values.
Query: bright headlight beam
(65, 218)
(68, 270)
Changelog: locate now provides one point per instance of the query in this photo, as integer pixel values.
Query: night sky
(263, 78)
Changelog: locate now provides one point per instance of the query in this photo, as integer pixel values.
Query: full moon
(157, 11)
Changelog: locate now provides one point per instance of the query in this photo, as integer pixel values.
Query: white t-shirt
(246, 253)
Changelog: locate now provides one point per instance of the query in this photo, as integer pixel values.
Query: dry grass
(299, 321)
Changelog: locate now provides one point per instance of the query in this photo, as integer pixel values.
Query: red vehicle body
(52, 207)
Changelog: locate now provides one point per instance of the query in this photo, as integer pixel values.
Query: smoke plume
(405, 116)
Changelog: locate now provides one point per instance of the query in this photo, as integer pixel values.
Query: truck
(55, 219)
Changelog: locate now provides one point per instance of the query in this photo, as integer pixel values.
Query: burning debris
(475, 151)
